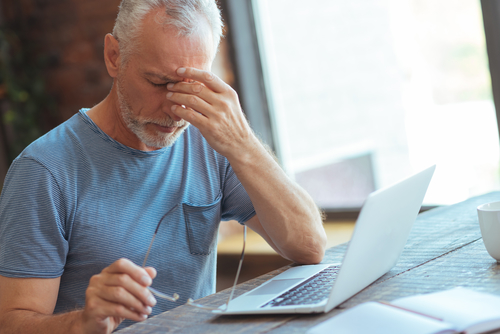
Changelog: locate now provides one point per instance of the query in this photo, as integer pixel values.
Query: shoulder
(57, 142)
(63, 143)
(58, 152)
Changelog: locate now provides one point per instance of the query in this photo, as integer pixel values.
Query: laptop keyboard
(311, 291)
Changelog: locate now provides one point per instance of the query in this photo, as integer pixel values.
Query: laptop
(379, 237)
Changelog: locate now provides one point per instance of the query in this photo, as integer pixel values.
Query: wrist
(251, 154)
(77, 325)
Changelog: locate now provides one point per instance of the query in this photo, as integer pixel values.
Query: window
(366, 92)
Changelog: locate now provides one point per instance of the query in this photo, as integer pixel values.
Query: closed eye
(159, 85)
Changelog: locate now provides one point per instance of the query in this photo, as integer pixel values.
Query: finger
(103, 309)
(207, 78)
(195, 89)
(125, 266)
(189, 115)
(151, 272)
(133, 289)
(116, 288)
(120, 295)
(190, 101)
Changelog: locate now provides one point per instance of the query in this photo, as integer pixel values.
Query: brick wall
(71, 34)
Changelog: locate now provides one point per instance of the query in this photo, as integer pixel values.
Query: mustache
(167, 122)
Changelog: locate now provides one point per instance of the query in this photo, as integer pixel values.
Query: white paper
(376, 318)
(462, 307)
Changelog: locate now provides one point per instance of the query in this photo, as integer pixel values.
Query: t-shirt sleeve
(33, 239)
(236, 203)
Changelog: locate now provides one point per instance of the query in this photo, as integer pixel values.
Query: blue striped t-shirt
(76, 200)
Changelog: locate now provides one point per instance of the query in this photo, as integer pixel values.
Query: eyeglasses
(190, 301)
(155, 292)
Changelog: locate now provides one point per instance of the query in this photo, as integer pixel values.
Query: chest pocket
(202, 222)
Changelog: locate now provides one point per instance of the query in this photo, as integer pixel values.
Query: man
(80, 205)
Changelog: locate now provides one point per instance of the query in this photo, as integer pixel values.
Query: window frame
(244, 52)
(491, 22)
(253, 86)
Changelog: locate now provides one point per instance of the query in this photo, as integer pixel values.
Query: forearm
(289, 217)
(29, 322)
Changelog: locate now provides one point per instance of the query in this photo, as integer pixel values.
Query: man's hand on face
(213, 107)
(119, 292)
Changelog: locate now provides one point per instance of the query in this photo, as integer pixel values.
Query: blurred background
(374, 90)
(352, 96)
(51, 66)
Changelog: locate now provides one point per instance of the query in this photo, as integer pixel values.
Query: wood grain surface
(444, 250)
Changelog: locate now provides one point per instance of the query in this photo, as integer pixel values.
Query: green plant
(24, 101)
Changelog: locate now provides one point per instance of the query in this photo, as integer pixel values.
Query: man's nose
(167, 109)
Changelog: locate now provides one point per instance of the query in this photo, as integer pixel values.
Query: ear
(112, 55)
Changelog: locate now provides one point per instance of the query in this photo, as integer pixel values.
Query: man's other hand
(119, 292)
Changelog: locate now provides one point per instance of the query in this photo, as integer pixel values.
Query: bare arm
(26, 306)
(286, 215)
(118, 292)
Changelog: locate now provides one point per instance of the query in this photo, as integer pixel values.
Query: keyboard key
(311, 291)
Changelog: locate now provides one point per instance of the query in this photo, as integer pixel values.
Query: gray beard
(138, 126)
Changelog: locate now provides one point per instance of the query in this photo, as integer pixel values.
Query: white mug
(489, 222)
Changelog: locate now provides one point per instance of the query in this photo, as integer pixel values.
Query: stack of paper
(452, 311)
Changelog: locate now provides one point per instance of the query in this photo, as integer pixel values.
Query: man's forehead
(167, 40)
(161, 51)
(165, 68)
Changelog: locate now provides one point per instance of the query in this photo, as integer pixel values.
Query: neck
(107, 116)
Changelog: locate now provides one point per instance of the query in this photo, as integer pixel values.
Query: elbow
(311, 258)
(311, 250)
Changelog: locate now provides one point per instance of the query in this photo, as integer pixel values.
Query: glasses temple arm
(239, 265)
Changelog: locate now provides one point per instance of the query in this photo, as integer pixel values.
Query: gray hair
(182, 14)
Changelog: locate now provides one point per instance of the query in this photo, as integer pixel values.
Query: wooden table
(444, 250)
